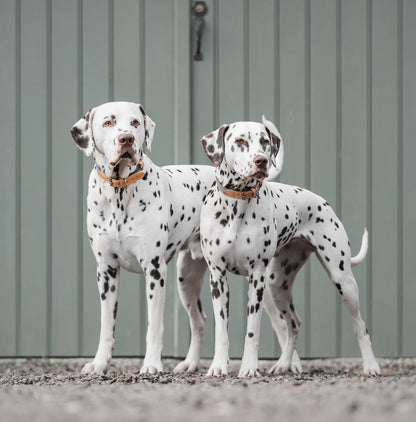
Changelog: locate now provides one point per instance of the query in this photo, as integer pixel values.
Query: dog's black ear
(277, 151)
(149, 128)
(82, 133)
(213, 145)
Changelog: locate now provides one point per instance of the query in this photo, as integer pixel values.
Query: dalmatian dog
(266, 232)
(139, 216)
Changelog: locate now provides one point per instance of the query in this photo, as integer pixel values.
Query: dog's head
(248, 149)
(114, 132)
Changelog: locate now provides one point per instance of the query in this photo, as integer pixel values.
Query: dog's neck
(229, 179)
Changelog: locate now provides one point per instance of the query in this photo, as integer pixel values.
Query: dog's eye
(108, 123)
(265, 142)
(240, 141)
(135, 123)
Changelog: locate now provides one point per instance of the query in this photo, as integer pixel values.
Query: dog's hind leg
(336, 259)
(190, 276)
(283, 271)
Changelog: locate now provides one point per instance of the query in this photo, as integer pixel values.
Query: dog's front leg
(108, 279)
(220, 300)
(249, 364)
(156, 273)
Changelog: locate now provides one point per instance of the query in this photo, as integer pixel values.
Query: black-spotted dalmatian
(266, 231)
(139, 216)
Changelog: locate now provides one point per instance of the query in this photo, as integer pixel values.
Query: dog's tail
(363, 250)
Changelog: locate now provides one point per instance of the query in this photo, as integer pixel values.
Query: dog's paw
(372, 368)
(296, 365)
(94, 368)
(218, 369)
(185, 366)
(280, 367)
(248, 372)
(153, 368)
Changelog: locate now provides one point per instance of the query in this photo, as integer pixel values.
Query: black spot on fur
(260, 294)
(338, 286)
(155, 274)
(155, 262)
(112, 271)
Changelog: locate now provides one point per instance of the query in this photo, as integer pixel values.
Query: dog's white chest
(240, 238)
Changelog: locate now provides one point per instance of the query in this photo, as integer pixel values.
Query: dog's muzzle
(126, 143)
(261, 171)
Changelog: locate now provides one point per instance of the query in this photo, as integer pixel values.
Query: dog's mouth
(127, 155)
(259, 174)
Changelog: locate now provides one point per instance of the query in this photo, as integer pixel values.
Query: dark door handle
(199, 10)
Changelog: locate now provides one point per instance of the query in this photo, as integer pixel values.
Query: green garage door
(336, 76)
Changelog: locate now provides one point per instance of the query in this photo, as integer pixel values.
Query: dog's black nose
(126, 139)
(260, 161)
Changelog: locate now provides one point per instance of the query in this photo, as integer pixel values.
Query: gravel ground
(329, 389)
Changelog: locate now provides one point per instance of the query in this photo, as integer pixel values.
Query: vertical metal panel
(385, 177)
(204, 118)
(292, 125)
(182, 141)
(323, 171)
(203, 95)
(34, 224)
(64, 193)
(261, 56)
(182, 86)
(159, 87)
(353, 187)
(408, 234)
(9, 189)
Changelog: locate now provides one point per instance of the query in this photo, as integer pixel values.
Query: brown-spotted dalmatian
(266, 232)
(139, 216)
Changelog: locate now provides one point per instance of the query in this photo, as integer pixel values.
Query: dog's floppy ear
(213, 144)
(277, 150)
(149, 128)
(82, 133)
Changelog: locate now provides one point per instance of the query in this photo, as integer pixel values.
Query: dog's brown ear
(149, 128)
(277, 152)
(213, 145)
(82, 133)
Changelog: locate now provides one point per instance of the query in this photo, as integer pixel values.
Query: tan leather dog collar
(124, 182)
(246, 194)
